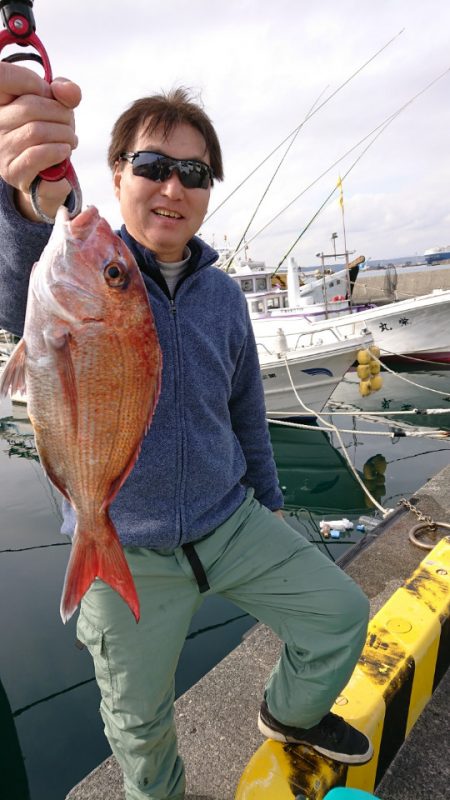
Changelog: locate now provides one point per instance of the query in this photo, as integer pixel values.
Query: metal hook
(73, 200)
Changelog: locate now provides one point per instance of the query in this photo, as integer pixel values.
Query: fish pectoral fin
(97, 554)
(58, 345)
(13, 376)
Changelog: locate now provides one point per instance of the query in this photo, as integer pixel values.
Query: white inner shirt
(172, 272)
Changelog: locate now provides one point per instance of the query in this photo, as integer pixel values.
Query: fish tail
(97, 556)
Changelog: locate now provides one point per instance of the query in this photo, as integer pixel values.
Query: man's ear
(117, 178)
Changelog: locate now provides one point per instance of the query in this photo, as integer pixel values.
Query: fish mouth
(81, 226)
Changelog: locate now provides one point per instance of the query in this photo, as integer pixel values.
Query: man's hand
(278, 513)
(37, 130)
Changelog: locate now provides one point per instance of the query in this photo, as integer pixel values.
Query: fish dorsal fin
(59, 347)
(13, 377)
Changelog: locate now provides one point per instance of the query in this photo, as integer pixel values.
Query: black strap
(197, 567)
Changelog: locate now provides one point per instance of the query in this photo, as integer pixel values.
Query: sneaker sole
(343, 758)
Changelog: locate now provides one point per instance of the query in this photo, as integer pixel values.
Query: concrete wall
(387, 285)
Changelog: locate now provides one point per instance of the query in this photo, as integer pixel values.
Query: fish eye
(115, 275)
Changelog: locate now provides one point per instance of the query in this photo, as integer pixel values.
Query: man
(201, 510)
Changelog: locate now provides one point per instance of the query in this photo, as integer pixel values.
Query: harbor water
(51, 729)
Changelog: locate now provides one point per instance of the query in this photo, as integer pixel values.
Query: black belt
(197, 567)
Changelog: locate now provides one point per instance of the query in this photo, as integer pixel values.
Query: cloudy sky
(259, 68)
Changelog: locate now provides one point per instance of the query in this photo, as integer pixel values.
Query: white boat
(436, 255)
(417, 327)
(414, 328)
(317, 296)
(301, 372)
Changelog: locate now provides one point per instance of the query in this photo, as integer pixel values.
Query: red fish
(90, 363)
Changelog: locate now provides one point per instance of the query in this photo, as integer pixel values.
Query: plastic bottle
(337, 524)
(369, 522)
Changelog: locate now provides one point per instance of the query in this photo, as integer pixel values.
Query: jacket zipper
(179, 410)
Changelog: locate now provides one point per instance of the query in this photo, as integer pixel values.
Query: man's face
(146, 204)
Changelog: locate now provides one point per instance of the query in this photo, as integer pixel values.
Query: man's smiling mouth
(164, 212)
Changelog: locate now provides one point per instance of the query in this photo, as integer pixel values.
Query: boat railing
(284, 343)
(311, 338)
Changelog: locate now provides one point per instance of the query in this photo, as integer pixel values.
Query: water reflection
(13, 776)
(49, 712)
(411, 388)
(49, 688)
(314, 474)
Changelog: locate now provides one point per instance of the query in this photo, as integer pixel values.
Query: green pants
(270, 571)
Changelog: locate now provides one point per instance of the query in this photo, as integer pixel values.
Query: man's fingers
(36, 133)
(66, 92)
(23, 169)
(37, 126)
(15, 81)
(30, 108)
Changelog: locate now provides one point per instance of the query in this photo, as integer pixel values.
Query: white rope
(361, 413)
(430, 434)
(330, 426)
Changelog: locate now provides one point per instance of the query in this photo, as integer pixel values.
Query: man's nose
(172, 187)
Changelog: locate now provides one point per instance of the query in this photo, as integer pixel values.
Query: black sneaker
(332, 737)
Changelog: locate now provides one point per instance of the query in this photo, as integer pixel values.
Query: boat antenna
(380, 128)
(298, 127)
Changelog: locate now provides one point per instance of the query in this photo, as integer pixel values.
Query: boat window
(261, 284)
(273, 302)
(285, 302)
(257, 307)
(247, 285)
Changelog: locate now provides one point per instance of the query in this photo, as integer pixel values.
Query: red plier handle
(18, 19)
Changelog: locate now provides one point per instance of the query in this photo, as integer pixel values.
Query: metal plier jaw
(18, 19)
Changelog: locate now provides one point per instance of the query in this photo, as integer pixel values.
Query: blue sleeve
(22, 243)
(248, 419)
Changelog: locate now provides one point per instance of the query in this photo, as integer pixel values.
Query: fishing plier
(18, 19)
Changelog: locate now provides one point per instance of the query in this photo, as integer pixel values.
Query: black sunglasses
(157, 167)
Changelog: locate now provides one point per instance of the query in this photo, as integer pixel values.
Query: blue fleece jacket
(209, 438)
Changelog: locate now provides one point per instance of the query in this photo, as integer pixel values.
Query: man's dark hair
(164, 111)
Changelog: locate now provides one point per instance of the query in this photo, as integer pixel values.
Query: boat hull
(302, 379)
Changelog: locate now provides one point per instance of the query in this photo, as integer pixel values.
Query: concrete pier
(216, 718)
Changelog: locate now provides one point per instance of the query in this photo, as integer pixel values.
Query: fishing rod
(18, 19)
(306, 119)
(383, 125)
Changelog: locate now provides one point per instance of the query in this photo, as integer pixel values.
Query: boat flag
(341, 195)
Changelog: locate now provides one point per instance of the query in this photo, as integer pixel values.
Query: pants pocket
(94, 640)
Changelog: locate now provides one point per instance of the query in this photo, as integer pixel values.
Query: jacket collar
(202, 255)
